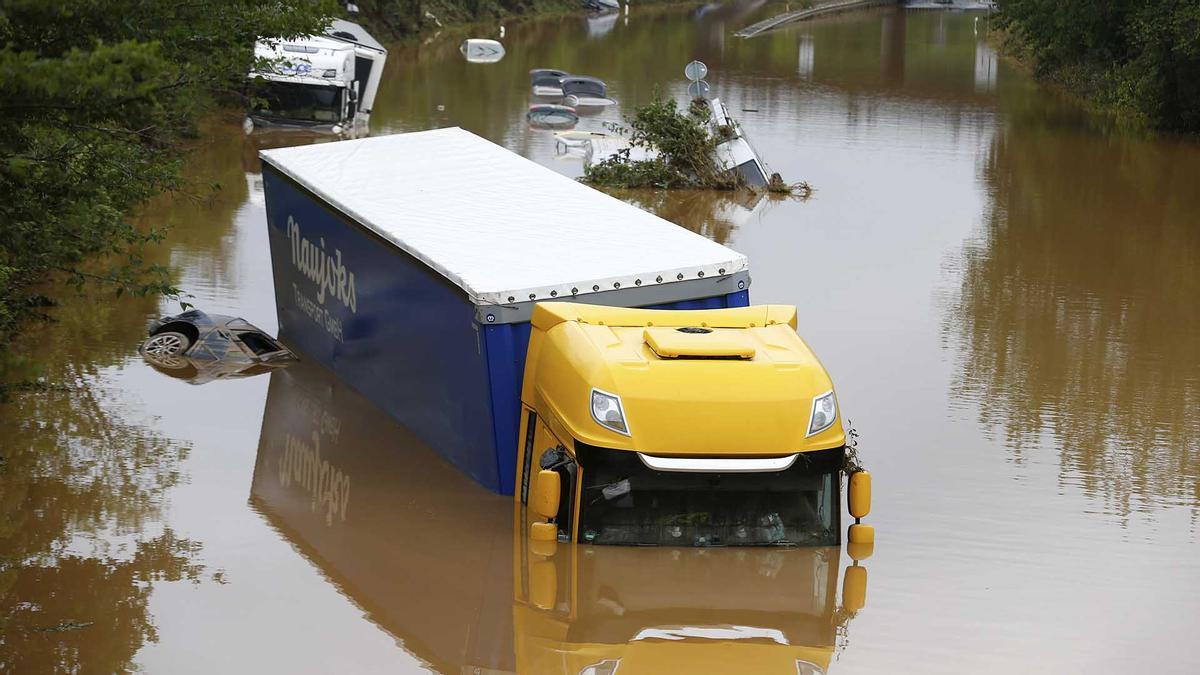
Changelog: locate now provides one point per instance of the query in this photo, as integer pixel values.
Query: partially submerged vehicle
(200, 347)
(573, 90)
(481, 50)
(678, 427)
(695, 420)
(319, 82)
(580, 91)
(547, 82)
(333, 472)
(734, 152)
(551, 116)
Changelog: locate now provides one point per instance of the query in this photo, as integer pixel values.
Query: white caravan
(318, 82)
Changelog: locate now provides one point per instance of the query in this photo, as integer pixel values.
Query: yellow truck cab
(680, 428)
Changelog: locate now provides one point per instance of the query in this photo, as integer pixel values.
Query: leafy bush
(684, 147)
(95, 99)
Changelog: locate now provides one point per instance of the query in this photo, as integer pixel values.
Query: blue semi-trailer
(410, 264)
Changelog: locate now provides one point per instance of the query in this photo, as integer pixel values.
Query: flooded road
(1002, 287)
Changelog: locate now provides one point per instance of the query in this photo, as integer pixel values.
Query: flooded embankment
(1002, 287)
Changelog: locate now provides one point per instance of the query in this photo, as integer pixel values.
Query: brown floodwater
(1003, 286)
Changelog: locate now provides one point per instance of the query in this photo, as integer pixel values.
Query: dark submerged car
(201, 347)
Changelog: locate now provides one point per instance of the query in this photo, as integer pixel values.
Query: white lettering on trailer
(321, 316)
(323, 269)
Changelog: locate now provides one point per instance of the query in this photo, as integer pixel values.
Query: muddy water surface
(1003, 288)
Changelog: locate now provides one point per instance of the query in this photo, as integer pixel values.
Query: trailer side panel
(386, 324)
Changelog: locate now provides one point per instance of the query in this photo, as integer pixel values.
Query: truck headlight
(608, 412)
(824, 412)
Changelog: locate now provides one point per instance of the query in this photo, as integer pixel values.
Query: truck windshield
(626, 502)
(299, 102)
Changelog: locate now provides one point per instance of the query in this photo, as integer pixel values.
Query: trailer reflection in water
(434, 560)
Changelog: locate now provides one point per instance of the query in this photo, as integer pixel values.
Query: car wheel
(166, 345)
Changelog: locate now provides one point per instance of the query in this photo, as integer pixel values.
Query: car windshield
(299, 102)
(626, 502)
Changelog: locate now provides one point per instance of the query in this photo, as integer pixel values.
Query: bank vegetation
(1141, 58)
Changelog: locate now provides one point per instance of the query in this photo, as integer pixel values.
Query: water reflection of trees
(80, 486)
(1077, 317)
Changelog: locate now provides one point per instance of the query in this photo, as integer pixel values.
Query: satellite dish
(695, 71)
(699, 89)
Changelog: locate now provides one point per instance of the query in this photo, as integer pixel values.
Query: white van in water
(317, 82)
(734, 152)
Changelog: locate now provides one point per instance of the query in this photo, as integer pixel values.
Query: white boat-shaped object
(482, 50)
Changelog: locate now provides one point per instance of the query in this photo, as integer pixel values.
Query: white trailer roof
(501, 227)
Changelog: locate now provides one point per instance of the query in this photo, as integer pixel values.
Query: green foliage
(682, 141)
(1143, 57)
(96, 97)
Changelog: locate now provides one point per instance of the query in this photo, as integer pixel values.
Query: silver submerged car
(201, 347)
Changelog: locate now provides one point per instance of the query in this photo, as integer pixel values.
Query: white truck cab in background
(323, 83)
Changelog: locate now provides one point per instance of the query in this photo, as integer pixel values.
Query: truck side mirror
(860, 494)
(546, 497)
(859, 498)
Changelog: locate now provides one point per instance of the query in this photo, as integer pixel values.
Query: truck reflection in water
(436, 561)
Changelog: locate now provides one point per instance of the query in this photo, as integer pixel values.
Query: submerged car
(201, 347)
(551, 116)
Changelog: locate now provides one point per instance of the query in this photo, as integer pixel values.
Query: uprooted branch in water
(689, 148)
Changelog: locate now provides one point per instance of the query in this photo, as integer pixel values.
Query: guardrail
(801, 14)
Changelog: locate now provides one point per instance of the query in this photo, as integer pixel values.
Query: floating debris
(576, 141)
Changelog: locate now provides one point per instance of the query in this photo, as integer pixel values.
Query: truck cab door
(543, 452)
